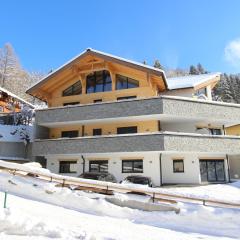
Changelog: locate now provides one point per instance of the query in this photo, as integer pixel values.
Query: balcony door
(212, 170)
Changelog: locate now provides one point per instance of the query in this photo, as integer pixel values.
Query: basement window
(98, 166)
(178, 166)
(132, 166)
(67, 166)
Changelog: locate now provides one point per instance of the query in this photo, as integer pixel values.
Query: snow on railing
(45, 174)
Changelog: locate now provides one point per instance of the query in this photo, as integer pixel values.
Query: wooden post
(5, 200)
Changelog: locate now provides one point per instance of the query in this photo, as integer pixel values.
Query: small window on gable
(75, 89)
(126, 82)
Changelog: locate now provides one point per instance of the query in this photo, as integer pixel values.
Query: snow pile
(40, 208)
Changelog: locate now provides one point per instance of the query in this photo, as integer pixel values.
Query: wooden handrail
(117, 187)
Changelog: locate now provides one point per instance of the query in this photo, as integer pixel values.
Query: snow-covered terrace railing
(45, 174)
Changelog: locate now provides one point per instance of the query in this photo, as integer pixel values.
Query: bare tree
(9, 64)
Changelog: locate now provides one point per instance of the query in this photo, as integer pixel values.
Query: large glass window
(98, 166)
(212, 170)
(74, 89)
(126, 82)
(69, 134)
(67, 166)
(178, 166)
(132, 166)
(99, 82)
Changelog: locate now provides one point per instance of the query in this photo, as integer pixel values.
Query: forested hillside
(13, 76)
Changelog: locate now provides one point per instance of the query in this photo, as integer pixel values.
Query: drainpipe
(228, 168)
(224, 131)
(83, 163)
(160, 166)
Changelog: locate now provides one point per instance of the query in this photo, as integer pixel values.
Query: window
(71, 103)
(75, 89)
(126, 82)
(178, 166)
(201, 91)
(99, 82)
(67, 166)
(97, 131)
(126, 130)
(215, 131)
(98, 166)
(97, 100)
(69, 134)
(132, 166)
(128, 97)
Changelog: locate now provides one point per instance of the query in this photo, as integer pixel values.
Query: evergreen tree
(200, 69)
(193, 70)
(157, 64)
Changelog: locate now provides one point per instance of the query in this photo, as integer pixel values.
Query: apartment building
(106, 113)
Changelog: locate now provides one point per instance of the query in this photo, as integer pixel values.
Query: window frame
(71, 132)
(69, 162)
(132, 161)
(126, 98)
(99, 163)
(71, 89)
(70, 103)
(178, 161)
(97, 100)
(105, 74)
(211, 130)
(127, 82)
(97, 134)
(129, 127)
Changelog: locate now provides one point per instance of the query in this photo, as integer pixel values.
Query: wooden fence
(109, 188)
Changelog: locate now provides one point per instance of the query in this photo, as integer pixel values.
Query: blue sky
(45, 34)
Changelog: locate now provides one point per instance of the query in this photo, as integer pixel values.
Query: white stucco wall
(151, 165)
(191, 174)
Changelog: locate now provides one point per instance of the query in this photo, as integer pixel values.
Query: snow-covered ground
(38, 210)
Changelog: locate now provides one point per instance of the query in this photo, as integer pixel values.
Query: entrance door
(212, 170)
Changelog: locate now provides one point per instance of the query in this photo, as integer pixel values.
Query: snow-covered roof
(190, 81)
(15, 96)
(156, 70)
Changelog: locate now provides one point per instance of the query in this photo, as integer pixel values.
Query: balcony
(159, 141)
(152, 108)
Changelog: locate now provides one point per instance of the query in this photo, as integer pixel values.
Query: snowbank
(88, 215)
